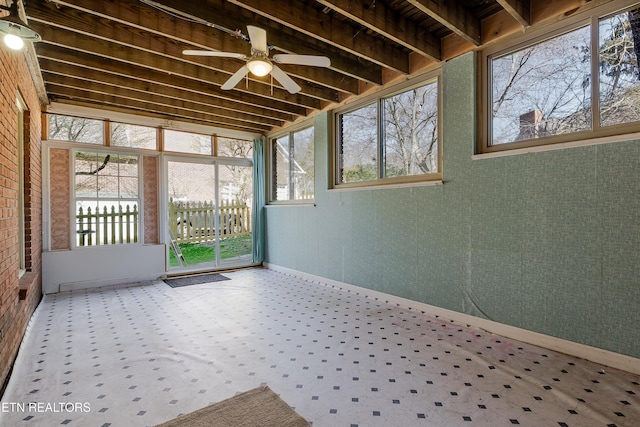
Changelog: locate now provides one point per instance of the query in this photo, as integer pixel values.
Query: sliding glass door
(208, 213)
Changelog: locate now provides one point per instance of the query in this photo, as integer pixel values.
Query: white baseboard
(75, 286)
(583, 351)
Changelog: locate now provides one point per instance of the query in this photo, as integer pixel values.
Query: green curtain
(257, 210)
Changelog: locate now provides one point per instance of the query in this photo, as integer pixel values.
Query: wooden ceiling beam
(189, 35)
(132, 97)
(453, 15)
(386, 22)
(520, 10)
(187, 87)
(303, 18)
(109, 101)
(223, 14)
(85, 42)
(75, 76)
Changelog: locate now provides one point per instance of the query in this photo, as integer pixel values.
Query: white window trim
(22, 248)
(72, 186)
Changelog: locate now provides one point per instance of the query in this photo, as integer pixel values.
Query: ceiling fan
(259, 63)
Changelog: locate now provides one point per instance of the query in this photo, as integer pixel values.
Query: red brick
(14, 314)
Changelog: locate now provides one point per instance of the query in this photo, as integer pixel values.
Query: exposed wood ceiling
(126, 55)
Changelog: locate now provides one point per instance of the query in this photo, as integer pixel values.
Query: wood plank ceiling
(126, 55)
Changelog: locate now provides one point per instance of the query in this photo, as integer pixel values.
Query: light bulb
(13, 42)
(259, 67)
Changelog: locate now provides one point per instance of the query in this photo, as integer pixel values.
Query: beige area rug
(259, 407)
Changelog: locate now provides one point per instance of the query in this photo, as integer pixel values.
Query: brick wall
(19, 296)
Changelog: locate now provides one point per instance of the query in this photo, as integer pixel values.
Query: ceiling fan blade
(235, 78)
(213, 53)
(258, 38)
(316, 61)
(285, 80)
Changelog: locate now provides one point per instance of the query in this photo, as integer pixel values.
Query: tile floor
(142, 354)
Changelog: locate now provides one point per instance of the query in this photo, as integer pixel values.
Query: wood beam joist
(84, 42)
(134, 18)
(223, 14)
(305, 19)
(132, 98)
(453, 15)
(384, 21)
(520, 10)
(187, 87)
(108, 101)
(71, 75)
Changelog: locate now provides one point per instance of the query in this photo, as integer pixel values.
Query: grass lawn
(196, 253)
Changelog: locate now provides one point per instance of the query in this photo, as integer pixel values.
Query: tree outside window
(75, 129)
(395, 137)
(547, 89)
(292, 166)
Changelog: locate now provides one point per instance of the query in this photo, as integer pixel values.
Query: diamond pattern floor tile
(141, 354)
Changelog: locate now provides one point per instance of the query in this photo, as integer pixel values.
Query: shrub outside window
(583, 82)
(292, 166)
(393, 139)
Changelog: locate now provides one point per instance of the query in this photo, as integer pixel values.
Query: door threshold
(212, 270)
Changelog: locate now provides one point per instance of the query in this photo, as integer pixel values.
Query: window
(359, 144)
(133, 136)
(146, 136)
(233, 147)
(75, 129)
(22, 232)
(107, 198)
(186, 142)
(619, 59)
(580, 81)
(292, 166)
(393, 139)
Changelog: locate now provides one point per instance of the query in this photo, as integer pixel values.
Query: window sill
(559, 146)
(27, 281)
(291, 205)
(346, 187)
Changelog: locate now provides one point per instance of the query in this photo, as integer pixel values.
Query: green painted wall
(546, 241)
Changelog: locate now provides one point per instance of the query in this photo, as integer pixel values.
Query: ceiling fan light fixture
(15, 30)
(259, 67)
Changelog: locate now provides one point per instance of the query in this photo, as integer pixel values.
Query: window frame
(591, 16)
(22, 208)
(271, 151)
(110, 126)
(74, 198)
(107, 125)
(378, 98)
